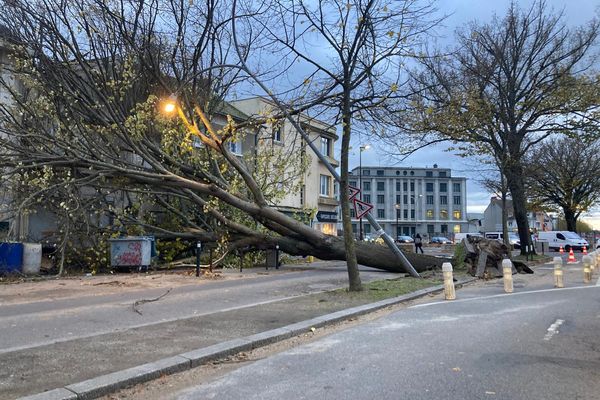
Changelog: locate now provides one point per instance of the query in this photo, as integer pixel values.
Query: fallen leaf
(456, 369)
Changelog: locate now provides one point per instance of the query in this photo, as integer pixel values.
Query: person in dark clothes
(418, 244)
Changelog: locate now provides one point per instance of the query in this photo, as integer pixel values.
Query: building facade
(317, 188)
(492, 218)
(407, 201)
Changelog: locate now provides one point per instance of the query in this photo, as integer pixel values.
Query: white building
(492, 217)
(407, 201)
(316, 185)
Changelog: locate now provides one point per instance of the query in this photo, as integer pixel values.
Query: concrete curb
(109, 383)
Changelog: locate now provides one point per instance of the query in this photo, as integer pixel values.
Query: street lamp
(361, 149)
(398, 207)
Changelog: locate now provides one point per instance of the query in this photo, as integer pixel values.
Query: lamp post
(398, 207)
(361, 149)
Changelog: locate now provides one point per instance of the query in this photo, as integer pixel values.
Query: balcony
(328, 201)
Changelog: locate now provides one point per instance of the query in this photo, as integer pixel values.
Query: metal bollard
(592, 261)
(507, 272)
(597, 258)
(449, 290)
(587, 272)
(558, 273)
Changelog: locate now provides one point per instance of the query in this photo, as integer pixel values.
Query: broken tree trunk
(483, 258)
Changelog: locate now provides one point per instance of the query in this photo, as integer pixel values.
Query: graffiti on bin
(128, 253)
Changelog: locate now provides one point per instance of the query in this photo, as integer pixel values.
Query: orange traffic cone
(562, 251)
(584, 250)
(571, 258)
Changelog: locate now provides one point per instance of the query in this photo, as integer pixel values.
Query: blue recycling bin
(11, 257)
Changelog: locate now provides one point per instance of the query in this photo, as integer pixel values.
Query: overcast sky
(576, 12)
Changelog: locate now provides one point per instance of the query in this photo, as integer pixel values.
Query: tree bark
(571, 219)
(516, 184)
(354, 282)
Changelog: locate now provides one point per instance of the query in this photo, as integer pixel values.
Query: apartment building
(407, 201)
(317, 189)
(492, 217)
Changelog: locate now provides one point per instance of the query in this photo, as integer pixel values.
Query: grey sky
(576, 12)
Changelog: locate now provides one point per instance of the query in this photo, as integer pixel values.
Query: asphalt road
(31, 324)
(538, 343)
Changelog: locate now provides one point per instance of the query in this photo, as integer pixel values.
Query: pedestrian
(418, 244)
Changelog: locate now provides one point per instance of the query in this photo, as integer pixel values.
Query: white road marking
(435, 303)
(553, 329)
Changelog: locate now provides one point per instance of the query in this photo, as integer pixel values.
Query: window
(429, 214)
(381, 186)
(456, 229)
(428, 174)
(354, 228)
(326, 146)
(443, 187)
(412, 186)
(302, 191)
(398, 214)
(444, 200)
(412, 214)
(380, 213)
(352, 183)
(325, 186)
(367, 198)
(404, 173)
(456, 214)
(277, 135)
(352, 214)
(405, 198)
(429, 199)
(397, 186)
(236, 147)
(366, 185)
(412, 172)
(405, 186)
(442, 174)
(456, 187)
(412, 199)
(379, 172)
(397, 199)
(429, 187)
(405, 213)
(444, 228)
(443, 214)
(366, 172)
(430, 229)
(456, 200)
(380, 199)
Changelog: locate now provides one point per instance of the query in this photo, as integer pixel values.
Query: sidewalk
(92, 367)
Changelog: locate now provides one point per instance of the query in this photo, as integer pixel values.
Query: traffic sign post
(361, 208)
(352, 192)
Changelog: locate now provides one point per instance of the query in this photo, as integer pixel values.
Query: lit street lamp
(361, 149)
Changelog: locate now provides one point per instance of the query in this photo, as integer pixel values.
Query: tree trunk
(515, 182)
(570, 219)
(504, 211)
(368, 254)
(349, 241)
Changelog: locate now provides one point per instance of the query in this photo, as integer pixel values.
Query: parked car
(441, 240)
(405, 239)
(513, 238)
(568, 240)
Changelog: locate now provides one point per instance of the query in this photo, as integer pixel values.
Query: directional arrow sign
(361, 208)
(352, 192)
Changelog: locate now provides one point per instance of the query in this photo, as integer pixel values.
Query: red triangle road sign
(361, 208)
(352, 192)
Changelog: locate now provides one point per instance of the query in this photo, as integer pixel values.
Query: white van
(568, 240)
(460, 236)
(513, 238)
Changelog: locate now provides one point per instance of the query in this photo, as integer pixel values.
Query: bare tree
(565, 176)
(93, 74)
(508, 85)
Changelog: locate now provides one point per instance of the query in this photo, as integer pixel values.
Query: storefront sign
(327, 216)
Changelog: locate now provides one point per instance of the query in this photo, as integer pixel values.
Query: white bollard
(558, 273)
(507, 272)
(449, 290)
(587, 272)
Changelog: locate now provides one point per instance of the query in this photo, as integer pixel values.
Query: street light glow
(169, 106)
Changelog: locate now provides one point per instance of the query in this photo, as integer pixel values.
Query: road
(538, 343)
(28, 324)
